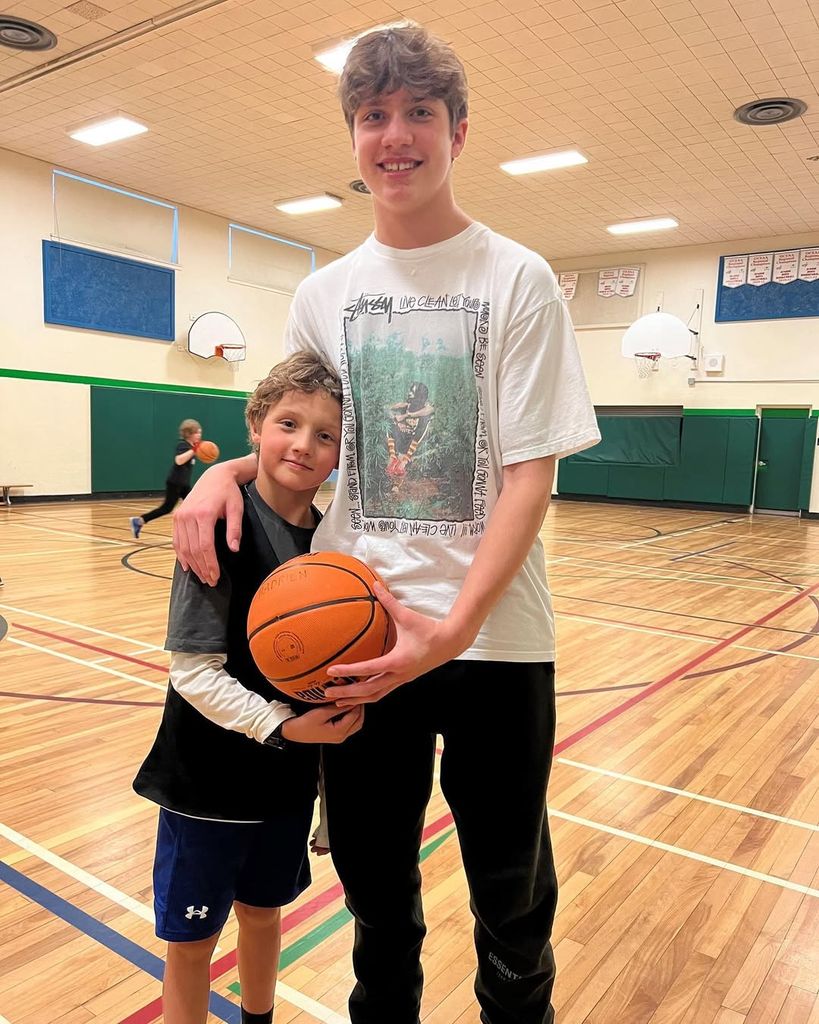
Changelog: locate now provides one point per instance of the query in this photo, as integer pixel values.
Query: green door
(779, 467)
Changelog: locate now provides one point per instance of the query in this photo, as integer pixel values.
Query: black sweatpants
(173, 494)
(497, 720)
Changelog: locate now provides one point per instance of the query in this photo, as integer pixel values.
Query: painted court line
(303, 1002)
(682, 634)
(90, 647)
(87, 664)
(80, 625)
(677, 673)
(220, 1007)
(91, 881)
(689, 794)
(68, 533)
(725, 865)
(685, 576)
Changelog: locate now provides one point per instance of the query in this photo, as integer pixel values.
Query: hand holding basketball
(422, 644)
(324, 724)
(206, 451)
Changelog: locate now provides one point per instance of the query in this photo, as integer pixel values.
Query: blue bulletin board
(771, 301)
(101, 292)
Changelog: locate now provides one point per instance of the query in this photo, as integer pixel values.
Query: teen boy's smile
(405, 147)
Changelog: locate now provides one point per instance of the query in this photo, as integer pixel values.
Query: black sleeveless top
(198, 768)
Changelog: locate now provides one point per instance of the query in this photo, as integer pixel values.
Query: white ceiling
(241, 116)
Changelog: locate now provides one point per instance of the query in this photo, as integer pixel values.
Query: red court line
(676, 674)
(91, 647)
(150, 1013)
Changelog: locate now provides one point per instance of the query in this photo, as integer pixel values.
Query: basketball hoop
(230, 353)
(646, 363)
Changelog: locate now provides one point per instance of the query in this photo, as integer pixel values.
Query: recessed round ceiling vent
(25, 35)
(775, 111)
(359, 186)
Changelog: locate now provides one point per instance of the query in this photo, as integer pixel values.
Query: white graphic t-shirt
(457, 359)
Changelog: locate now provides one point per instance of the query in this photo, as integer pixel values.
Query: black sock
(257, 1018)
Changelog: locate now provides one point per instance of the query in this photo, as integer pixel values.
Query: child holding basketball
(178, 480)
(435, 297)
(233, 770)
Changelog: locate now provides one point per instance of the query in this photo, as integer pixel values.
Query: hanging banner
(607, 282)
(568, 283)
(760, 267)
(785, 266)
(627, 281)
(809, 264)
(734, 271)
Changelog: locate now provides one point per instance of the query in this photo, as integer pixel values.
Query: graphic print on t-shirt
(414, 435)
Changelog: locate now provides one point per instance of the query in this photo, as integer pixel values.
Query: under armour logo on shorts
(193, 912)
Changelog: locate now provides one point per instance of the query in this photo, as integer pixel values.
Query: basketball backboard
(216, 334)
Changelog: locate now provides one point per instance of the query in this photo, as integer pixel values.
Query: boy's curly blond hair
(303, 371)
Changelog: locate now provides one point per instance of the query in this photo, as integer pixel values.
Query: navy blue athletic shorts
(202, 866)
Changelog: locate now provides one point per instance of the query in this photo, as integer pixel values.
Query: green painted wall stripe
(110, 382)
(785, 414)
(323, 931)
(719, 412)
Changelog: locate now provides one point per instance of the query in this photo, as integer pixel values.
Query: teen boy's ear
(459, 138)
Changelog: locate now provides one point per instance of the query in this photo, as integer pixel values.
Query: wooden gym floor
(684, 800)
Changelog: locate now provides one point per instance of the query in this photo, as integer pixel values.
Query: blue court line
(220, 1007)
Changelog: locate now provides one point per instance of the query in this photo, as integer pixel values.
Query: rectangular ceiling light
(544, 162)
(309, 204)
(109, 129)
(334, 56)
(635, 227)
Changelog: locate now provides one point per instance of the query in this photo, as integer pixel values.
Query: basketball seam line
(339, 652)
(310, 608)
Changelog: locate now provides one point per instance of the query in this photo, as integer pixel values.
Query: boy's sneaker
(136, 526)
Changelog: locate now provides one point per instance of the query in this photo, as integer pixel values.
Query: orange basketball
(207, 451)
(312, 612)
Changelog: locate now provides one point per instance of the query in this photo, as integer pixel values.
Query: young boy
(233, 769)
(178, 481)
(435, 297)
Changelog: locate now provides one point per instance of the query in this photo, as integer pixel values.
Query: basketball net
(646, 363)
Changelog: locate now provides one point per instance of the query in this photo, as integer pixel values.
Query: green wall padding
(134, 433)
(636, 482)
(636, 441)
(715, 466)
(739, 461)
(582, 478)
(806, 476)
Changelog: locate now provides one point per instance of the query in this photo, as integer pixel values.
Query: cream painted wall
(45, 436)
(767, 362)
(62, 466)
(759, 353)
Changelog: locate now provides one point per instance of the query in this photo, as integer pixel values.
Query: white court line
(689, 794)
(684, 533)
(626, 572)
(88, 664)
(3, 1020)
(693, 639)
(317, 1010)
(29, 554)
(91, 881)
(80, 625)
(674, 574)
(290, 995)
(783, 883)
(68, 533)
